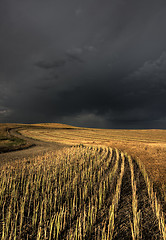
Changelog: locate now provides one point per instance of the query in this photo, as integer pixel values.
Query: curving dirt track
(36, 148)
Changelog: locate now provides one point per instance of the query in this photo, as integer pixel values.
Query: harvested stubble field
(90, 190)
(79, 193)
(147, 145)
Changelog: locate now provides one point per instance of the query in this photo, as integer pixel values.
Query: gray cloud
(150, 78)
(72, 57)
(153, 70)
(100, 62)
(48, 65)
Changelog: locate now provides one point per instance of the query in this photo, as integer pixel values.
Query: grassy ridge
(9, 142)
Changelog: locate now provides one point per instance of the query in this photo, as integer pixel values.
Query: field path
(37, 148)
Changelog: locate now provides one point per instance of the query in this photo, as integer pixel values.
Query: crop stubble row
(79, 193)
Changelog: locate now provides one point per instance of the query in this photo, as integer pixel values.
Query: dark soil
(124, 213)
(149, 224)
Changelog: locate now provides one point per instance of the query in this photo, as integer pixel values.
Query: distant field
(89, 136)
(147, 145)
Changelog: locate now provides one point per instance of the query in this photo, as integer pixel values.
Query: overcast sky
(92, 63)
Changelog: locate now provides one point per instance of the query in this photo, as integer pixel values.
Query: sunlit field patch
(147, 145)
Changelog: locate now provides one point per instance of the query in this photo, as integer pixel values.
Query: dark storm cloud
(73, 57)
(49, 65)
(91, 63)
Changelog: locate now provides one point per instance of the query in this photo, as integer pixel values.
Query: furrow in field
(135, 218)
(143, 221)
(122, 218)
(154, 217)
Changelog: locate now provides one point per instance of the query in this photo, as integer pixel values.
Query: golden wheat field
(79, 193)
(98, 187)
(147, 145)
